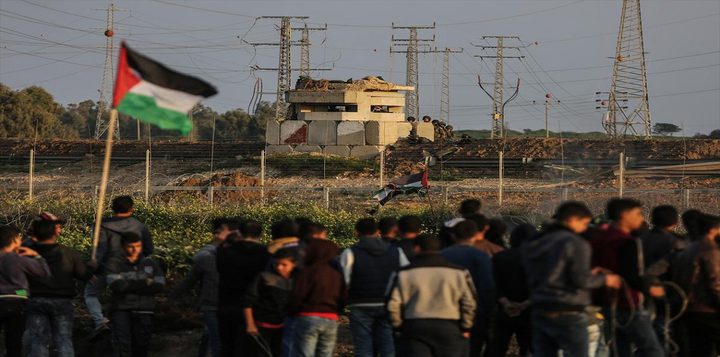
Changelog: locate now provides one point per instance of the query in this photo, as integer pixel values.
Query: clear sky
(60, 45)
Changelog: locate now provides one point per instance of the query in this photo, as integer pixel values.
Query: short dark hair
(314, 228)
(366, 226)
(496, 231)
(283, 228)
(231, 223)
(706, 222)
(410, 224)
(251, 229)
(428, 243)
(129, 237)
(290, 254)
(664, 216)
(521, 234)
(386, 224)
(8, 234)
(122, 204)
(464, 230)
(617, 206)
(570, 209)
(690, 221)
(480, 220)
(469, 207)
(43, 230)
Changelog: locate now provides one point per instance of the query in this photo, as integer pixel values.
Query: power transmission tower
(498, 115)
(411, 47)
(445, 90)
(106, 84)
(629, 82)
(284, 68)
(305, 47)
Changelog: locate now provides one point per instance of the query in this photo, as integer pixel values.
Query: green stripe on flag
(145, 108)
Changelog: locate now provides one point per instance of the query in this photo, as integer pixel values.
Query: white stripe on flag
(167, 98)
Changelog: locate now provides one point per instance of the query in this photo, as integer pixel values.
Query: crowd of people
(576, 285)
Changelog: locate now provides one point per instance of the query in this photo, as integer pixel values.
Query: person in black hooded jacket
(239, 260)
(367, 267)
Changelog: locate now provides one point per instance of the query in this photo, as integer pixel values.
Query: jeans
(564, 331)
(94, 288)
(131, 332)
(432, 338)
(287, 337)
(211, 336)
(639, 332)
(372, 334)
(12, 320)
(314, 336)
(50, 320)
(233, 338)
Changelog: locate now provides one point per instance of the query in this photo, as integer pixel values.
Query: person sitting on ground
(367, 267)
(134, 281)
(512, 295)
(496, 232)
(17, 264)
(697, 271)
(464, 254)
(266, 303)
(109, 247)
(204, 271)
(239, 260)
(431, 302)
(557, 265)
(482, 243)
(317, 300)
(50, 311)
(388, 228)
(409, 228)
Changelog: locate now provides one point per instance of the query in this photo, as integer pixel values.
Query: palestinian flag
(149, 91)
(409, 184)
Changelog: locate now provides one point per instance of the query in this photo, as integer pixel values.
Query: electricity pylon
(445, 90)
(412, 46)
(628, 100)
(305, 47)
(106, 84)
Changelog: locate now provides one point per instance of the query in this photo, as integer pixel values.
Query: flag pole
(103, 182)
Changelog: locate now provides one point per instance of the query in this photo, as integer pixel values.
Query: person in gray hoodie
(557, 267)
(17, 263)
(367, 267)
(110, 248)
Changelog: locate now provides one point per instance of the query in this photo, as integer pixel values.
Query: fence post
(211, 194)
(31, 174)
(382, 168)
(147, 175)
(500, 177)
(262, 175)
(445, 194)
(565, 194)
(621, 177)
(686, 198)
(326, 197)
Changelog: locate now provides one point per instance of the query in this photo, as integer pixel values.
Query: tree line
(32, 112)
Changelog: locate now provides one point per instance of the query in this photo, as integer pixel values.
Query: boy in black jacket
(50, 308)
(134, 281)
(266, 302)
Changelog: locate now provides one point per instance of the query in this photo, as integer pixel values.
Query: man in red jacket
(616, 250)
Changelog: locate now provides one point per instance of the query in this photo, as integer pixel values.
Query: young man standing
(110, 248)
(697, 271)
(619, 252)
(432, 303)
(367, 267)
(482, 243)
(50, 312)
(17, 264)
(464, 254)
(204, 271)
(660, 244)
(134, 280)
(557, 266)
(409, 228)
(388, 228)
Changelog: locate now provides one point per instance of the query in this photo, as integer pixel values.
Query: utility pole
(106, 84)
(445, 91)
(498, 115)
(411, 46)
(284, 68)
(629, 80)
(305, 47)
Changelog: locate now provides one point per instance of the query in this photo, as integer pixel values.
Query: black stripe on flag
(158, 74)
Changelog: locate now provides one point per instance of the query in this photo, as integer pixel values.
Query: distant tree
(665, 129)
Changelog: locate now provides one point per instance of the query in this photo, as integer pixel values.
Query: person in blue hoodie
(367, 267)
